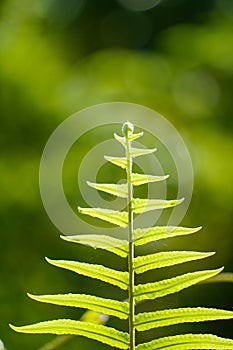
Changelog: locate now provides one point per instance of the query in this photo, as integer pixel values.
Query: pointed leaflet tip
(50, 261)
(32, 296)
(13, 327)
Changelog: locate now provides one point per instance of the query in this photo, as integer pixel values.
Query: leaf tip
(16, 329)
(50, 261)
(79, 209)
(210, 253)
(63, 237)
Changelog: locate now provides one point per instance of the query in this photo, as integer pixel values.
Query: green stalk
(130, 238)
(56, 342)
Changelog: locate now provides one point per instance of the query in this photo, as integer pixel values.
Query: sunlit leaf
(136, 152)
(106, 335)
(162, 259)
(119, 161)
(140, 179)
(132, 137)
(172, 285)
(142, 205)
(119, 218)
(161, 318)
(150, 234)
(106, 306)
(114, 245)
(117, 278)
(120, 190)
(188, 342)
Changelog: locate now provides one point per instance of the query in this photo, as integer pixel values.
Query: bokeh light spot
(196, 92)
(139, 5)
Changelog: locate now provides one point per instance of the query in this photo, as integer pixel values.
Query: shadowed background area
(57, 57)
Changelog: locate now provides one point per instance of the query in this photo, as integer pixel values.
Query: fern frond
(91, 323)
(106, 335)
(111, 307)
(136, 152)
(142, 205)
(162, 259)
(100, 272)
(114, 189)
(114, 245)
(146, 235)
(119, 161)
(148, 320)
(119, 218)
(141, 179)
(188, 342)
(172, 285)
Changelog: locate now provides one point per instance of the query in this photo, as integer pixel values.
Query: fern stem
(56, 342)
(131, 242)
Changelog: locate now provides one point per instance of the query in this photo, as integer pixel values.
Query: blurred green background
(57, 57)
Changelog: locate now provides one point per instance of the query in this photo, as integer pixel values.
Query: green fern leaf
(117, 278)
(112, 216)
(132, 137)
(106, 306)
(188, 342)
(162, 259)
(172, 285)
(136, 152)
(106, 335)
(120, 139)
(114, 245)
(147, 320)
(142, 205)
(141, 179)
(119, 161)
(146, 235)
(114, 189)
